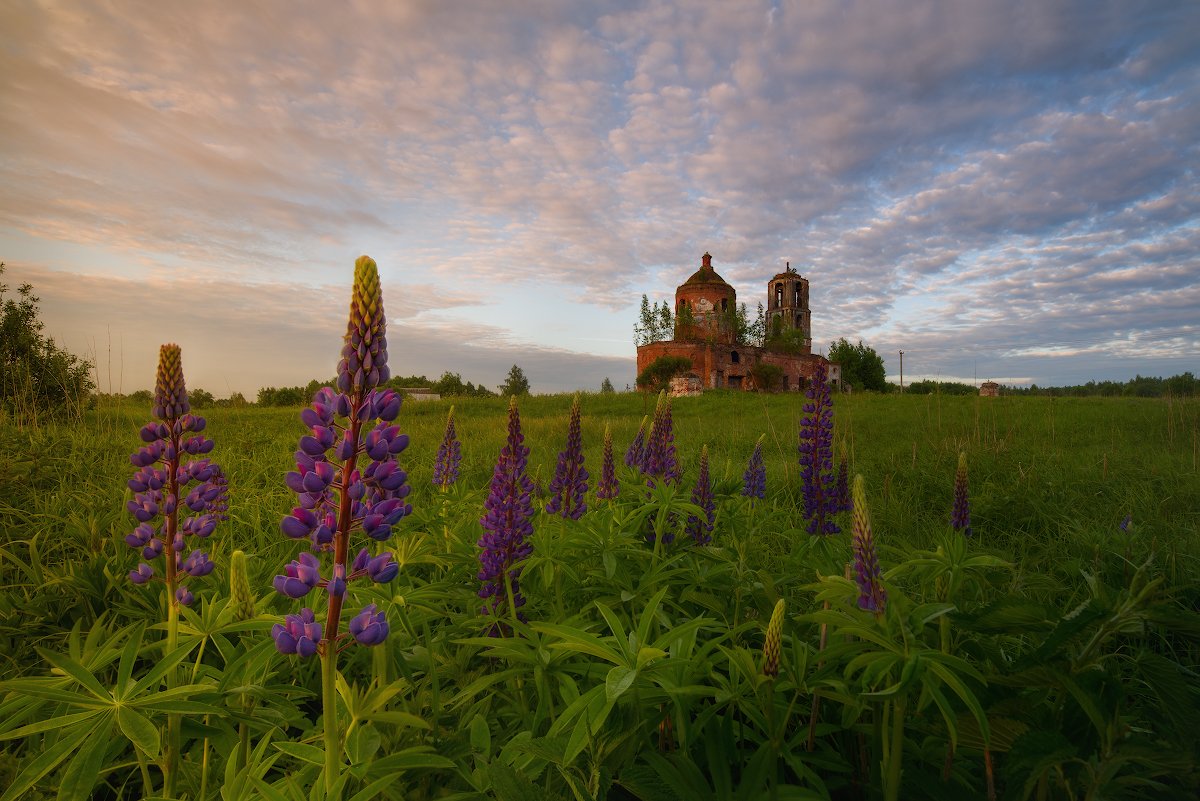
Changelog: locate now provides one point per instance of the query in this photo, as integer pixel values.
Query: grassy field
(1074, 639)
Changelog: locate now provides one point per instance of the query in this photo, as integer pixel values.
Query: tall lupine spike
(659, 462)
(340, 493)
(241, 597)
(507, 527)
(609, 487)
(816, 456)
(160, 486)
(773, 643)
(635, 456)
(700, 528)
(568, 487)
(871, 594)
(960, 515)
(337, 493)
(754, 480)
(449, 456)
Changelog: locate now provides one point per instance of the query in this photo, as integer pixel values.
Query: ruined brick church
(705, 335)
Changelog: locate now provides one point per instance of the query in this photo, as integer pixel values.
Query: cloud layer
(996, 182)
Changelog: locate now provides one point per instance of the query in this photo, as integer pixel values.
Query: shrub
(659, 372)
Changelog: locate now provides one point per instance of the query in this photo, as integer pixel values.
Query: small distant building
(989, 389)
(705, 306)
(420, 393)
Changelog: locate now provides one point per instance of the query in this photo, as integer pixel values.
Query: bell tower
(787, 307)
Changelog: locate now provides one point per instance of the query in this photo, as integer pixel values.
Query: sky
(1003, 190)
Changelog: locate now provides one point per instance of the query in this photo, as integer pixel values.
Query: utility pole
(901, 372)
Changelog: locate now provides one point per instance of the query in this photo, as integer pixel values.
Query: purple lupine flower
(754, 481)
(369, 626)
(1125, 524)
(338, 490)
(816, 456)
(609, 487)
(161, 484)
(659, 462)
(871, 594)
(702, 495)
(449, 455)
(960, 515)
(299, 634)
(507, 525)
(635, 456)
(568, 487)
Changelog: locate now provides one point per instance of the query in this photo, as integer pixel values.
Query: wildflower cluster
(754, 480)
(449, 456)
(960, 515)
(608, 488)
(635, 455)
(336, 496)
(507, 524)
(700, 528)
(816, 456)
(568, 488)
(167, 511)
(658, 459)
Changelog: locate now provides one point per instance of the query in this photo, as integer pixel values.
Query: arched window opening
(778, 295)
(796, 294)
(735, 357)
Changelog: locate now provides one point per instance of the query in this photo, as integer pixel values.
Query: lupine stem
(171, 752)
(895, 753)
(333, 746)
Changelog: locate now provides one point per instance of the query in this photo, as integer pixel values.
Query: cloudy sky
(1005, 189)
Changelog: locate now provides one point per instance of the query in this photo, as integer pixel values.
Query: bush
(767, 377)
(38, 379)
(659, 372)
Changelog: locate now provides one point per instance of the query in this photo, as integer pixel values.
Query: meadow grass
(1051, 479)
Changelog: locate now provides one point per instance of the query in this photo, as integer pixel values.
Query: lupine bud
(143, 574)
(170, 394)
(816, 456)
(871, 594)
(241, 598)
(364, 352)
(960, 515)
(700, 528)
(609, 487)
(449, 455)
(369, 626)
(196, 564)
(184, 596)
(754, 480)
(568, 487)
(774, 640)
(507, 527)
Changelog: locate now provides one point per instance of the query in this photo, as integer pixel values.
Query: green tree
(37, 378)
(201, 398)
(862, 367)
(515, 384)
(606, 386)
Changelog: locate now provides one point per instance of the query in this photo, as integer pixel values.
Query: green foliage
(1061, 644)
(767, 377)
(515, 384)
(38, 379)
(659, 372)
(606, 386)
(940, 387)
(862, 367)
(283, 396)
(1184, 385)
(654, 323)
